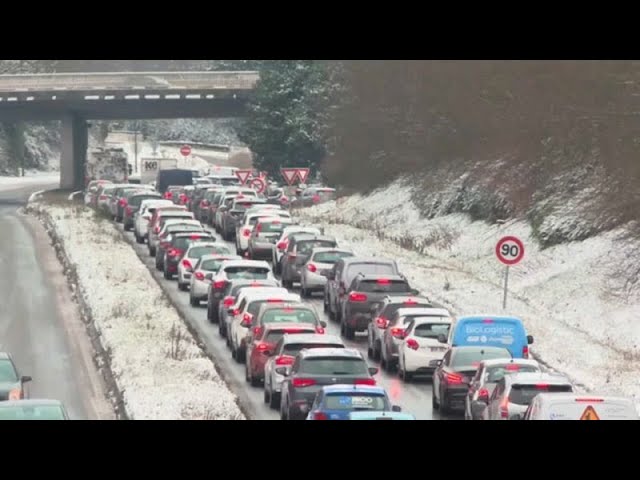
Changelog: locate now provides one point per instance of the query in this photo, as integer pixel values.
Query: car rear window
(271, 227)
(248, 273)
(334, 366)
(355, 401)
(306, 246)
(225, 182)
(197, 252)
(289, 315)
(293, 349)
(181, 227)
(384, 285)
(183, 243)
(391, 309)
(496, 373)
(7, 372)
(211, 265)
(369, 269)
(522, 394)
(431, 330)
(330, 257)
(274, 336)
(476, 355)
(137, 200)
(242, 206)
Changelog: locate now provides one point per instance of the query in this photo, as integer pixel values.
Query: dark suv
(362, 294)
(298, 252)
(312, 369)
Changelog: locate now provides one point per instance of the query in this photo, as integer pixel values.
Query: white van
(569, 406)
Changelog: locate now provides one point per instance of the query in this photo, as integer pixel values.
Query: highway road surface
(414, 397)
(40, 326)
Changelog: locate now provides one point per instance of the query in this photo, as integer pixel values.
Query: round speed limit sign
(510, 250)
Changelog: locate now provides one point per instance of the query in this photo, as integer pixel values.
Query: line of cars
(479, 365)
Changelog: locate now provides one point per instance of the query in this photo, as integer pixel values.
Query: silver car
(314, 273)
(192, 255)
(513, 393)
(203, 272)
(143, 217)
(284, 353)
(281, 244)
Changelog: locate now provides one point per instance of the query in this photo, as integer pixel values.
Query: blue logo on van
(506, 332)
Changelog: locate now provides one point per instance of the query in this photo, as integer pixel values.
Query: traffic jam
(232, 245)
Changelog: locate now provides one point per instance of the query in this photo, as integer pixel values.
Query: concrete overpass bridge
(76, 98)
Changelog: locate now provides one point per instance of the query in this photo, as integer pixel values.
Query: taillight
(174, 252)
(228, 301)
(320, 416)
(312, 268)
(204, 203)
(383, 281)
(103, 197)
(274, 300)
(187, 264)
(382, 322)
(281, 245)
(218, 284)
(412, 344)
(235, 311)
(315, 198)
(168, 195)
(365, 381)
(246, 320)
(284, 360)
(246, 232)
(319, 330)
(263, 347)
(129, 210)
(453, 378)
(303, 382)
(397, 332)
(199, 275)
(483, 395)
(525, 352)
(512, 367)
(357, 297)
(541, 386)
(15, 394)
(504, 408)
(411, 301)
(257, 331)
(122, 202)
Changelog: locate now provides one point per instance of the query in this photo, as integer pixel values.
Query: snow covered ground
(585, 318)
(32, 177)
(158, 366)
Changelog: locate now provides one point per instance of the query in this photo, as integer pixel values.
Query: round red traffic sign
(258, 184)
(510, 250)
(185, 150)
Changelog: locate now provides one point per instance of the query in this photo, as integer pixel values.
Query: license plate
(438, 349)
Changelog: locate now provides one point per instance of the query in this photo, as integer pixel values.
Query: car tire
(283, 415)
(167, 274)
(389, 366)
(444, 405)
(182, 287)
(194, 302)
(434, 403)
(407, 377)
(274, 400)
(266, 397)
(152, 252)
(304, 293)
(240, 356)
(349, 333)
(210, 316)
(377, 351)
(247, 373)
(325, 304)
(369, 352)
(127, 228)
(139, 239)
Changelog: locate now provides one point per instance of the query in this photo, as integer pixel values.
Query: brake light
(315, 198)
(168, 195)
(257, 331)
(453, 378)
(259, 227)
(218, 284)
(487, 320)
(483, 395)
(129, 210)
(284, 360)
(281, 245)
(262, 347)
(228, 301)
(303, 382)
(246, 232)
(174, 252)
(512, 368)
(200, 275)
(294, 330)
(122, 202)
(274, 300)
(397, 332)
(411, 301)
(589, 400)
(235, 311)
(195, 237)
(541, 386)
(156, 229)
(504, 408)
(525, 352)
(382, 322)
(365, 381)
(412, 344)
(357, 297)
(320, 416)
(187, 264)
(204, 203)
(246, 320)
(319, 330)
(383, 281)
(312, 268)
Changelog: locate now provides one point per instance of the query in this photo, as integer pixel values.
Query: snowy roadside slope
(160, 370)
(9, 183)
(568, 296)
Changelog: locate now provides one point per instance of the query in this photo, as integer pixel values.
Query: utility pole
(135, 136)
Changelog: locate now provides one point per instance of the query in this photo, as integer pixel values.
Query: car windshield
(334, 366)
(384, 285)
(306, 246)
(7, 372)
(31, 412)
(355, 401)
(289, 315)
(470, 356)
(496, 373)
(431, 330)
(330, 257)
(197, 252)
(258, 273)
(211, 265)
(182, 243)
(292, 349)
(523, 394)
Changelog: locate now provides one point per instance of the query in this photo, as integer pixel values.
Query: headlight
(15, 394)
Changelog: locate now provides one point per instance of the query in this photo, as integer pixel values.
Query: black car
(298, 252)
(133, 201)
(455, 372)
(229, 296)
(174, 176)
(364, 292)
(312, 369)
(11, 382)
(177, 247)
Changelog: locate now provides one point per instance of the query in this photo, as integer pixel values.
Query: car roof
(330, 249)
(312, 338)
(378, 276)
(237, 282)
(188, 234)
(480, 317)
(357, 259)
(426, 312)
(148, 192)
(247, 263)
(535, 377)
(515, 361)
(346, 388)
(393, 299)
(308, 237)
(215, 256)
(331, 352)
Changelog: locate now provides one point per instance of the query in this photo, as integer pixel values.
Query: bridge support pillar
(73, 152)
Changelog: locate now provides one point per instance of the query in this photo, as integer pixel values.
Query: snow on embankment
(573, 297)
(159, 369)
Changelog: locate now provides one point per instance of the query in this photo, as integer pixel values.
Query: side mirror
(282, 371)
(529, 339)
(396, 408)
(438, 362)
(442, 338)
(25, 378)
(415, 291)
(373, 370)
(323, 324)
(231, 311)
(477, 407)
(208, 276)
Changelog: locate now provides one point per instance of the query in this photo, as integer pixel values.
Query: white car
(419, 348)
(192, 255)
(227, 200)
(251, 217)
(283, 242)
(315, 272)
(143, 216)
(157, 222)
(203, 272)
(249, 303)
(570, 406)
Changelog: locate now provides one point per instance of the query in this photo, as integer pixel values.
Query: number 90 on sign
(510, 250)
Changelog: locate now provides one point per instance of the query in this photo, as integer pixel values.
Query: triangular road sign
(289, 174)
(303, 174)
(243, 175)
(589, 414)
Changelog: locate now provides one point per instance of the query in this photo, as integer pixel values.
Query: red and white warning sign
(303, 174)
(510, 250)
(185, 150)
(258, 184)
(243, 175)
(289, 175)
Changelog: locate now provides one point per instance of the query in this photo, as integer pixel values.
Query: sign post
(185, 151)
(510, 251)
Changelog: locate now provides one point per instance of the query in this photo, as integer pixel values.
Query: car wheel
(167, 275)
(194, 302)
(267, 395)
(152, 252)
(127, 228)
(325, 304)
(247, 373)
(182, 287)
(233, 350)
(304, 293)
(434, 402)
(349, 333)
(283, 410)
(444, 404)
(255, 382)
